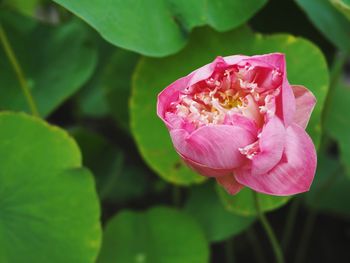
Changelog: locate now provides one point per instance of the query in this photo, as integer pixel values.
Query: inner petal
(242, 89)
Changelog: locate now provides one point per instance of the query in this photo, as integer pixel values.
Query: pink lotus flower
(239, 120)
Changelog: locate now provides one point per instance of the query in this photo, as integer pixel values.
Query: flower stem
(268, 229)
(18, 70)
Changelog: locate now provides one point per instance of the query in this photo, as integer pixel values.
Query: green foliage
(330, 189)
(158, 235)
(91, 99)
(337, 122)
(103, 159)
(343, 6)
(49, 208)
(108, 91)
(115, 180)
(153, 75)
(26, 7)
(133, 24)
(243, 203)
(329, 21)
(118, 76)
(56, 62)
(217, 222)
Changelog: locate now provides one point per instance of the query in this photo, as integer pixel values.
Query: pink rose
(239, 120)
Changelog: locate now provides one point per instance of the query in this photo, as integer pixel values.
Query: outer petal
(207, 70)
(274, 59)
(205, 170)
(286, 101)
(305, 103)
(285, 104)
(170, 94)
(271, 144)
(214, 146)
(244, 122)
(230, 184)
(293, 174)
(231, 60)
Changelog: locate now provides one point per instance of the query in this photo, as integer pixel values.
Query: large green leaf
(343, 6)
(337, 122)
(159, 27)
(218, 223)
(56, 62)
(305, 62)
(243, 203)
(159, 235)
(49, 208)
(329, 21)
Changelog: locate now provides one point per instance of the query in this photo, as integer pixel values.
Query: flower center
(234, 90)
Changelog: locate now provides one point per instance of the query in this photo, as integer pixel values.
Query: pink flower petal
(274, 59)
(207, 70)
(271, 144)
(229, 183)
(170, 94)
(286, 103)
(205, 170)
(231, 60)
(252, 111)
(305, 103)
(293, 174)
(244, 122)
(214, 146)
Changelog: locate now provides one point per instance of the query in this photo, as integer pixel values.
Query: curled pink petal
(231, 60)
(242, 121)
(214, 146)
(252, 111)
(170, 94)
(286, 103)
(229, 183)
(274, 59)
(305, 102)
(293, 174)
(207, 70)
(271, 147)
(206, 170)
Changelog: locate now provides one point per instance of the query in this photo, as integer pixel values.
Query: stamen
(250, 150)
(228, 91)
